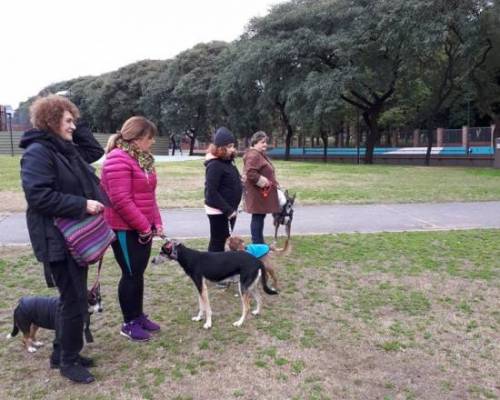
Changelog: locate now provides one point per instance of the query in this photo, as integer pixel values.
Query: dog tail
(263, 277)
(15, 331)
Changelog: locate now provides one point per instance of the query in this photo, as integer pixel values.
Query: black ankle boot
(83, 361)
(76, 373)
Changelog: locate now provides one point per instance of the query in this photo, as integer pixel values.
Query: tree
(486, 78)
(185, 90)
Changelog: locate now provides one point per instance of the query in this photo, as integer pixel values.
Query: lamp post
(357, 135)
(9, 123)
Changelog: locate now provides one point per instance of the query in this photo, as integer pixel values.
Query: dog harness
(257, 250)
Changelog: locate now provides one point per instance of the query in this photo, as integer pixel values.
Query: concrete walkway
(193, 223)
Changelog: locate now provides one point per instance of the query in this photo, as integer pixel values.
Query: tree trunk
(288, 127)
(324, 138)
(429, 148)
(373, 135)
(192, 137)
(174, 145)
(496, 132)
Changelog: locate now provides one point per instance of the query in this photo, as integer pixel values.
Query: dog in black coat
(214, 266)
(34, 312)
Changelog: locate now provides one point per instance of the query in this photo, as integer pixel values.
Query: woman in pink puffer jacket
(129, 179)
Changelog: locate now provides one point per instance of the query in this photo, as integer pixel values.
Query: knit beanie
(223, 137)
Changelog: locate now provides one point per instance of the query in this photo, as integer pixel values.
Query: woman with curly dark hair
(59, 182)
(223, 188)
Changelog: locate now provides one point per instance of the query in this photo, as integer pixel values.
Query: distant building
(6, 113)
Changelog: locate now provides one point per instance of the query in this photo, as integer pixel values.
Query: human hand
(94, 207)
(263, 182)
(158, 231)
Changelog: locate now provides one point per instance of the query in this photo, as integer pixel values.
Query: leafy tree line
(313, 68)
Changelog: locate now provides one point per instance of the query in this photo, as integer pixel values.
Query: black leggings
(133, 258)
(71, 281)
(219, 231)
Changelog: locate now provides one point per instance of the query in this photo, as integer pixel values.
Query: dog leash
(97, 279)
(88, 334)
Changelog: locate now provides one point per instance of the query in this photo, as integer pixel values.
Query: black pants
(133, 258)
(257, 228)
(219, 231)
(71, 281)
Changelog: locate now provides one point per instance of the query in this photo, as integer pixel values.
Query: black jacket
(223, 188)
(52, 189)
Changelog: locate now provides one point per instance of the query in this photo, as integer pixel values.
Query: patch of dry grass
(351, 322)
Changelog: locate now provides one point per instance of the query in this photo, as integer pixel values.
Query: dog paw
(197, 318)
(207, 325)
(38, 344)
(238, 323)
(255, 312)
(31, 349)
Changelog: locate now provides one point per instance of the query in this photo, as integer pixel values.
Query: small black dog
(203, 265)
(285, 216)
(33, 312)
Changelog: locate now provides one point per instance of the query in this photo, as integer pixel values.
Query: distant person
(261, 195)
(59, 182)
(129, 178)
(223, 188)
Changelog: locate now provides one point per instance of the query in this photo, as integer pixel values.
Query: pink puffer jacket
(132, 193)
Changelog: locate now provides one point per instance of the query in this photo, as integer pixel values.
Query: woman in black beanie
(223, 188)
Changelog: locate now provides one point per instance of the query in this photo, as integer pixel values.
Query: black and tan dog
(202, 265)
(34, 312)
(285, 216)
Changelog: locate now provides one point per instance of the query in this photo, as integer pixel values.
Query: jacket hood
(31, 136)
(209, 157)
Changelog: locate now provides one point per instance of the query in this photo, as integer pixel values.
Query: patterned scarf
(144, 158)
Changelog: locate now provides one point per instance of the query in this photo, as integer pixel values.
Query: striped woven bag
(87, 239)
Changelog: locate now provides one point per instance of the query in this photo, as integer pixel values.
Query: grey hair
(257, 137)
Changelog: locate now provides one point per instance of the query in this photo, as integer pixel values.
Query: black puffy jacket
(52, 189)
(223, 188)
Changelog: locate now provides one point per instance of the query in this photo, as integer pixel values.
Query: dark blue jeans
(257, 228)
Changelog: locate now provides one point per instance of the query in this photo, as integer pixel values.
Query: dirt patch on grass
(12, 202)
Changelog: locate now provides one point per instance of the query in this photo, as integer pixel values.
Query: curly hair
(219, 151)
(46, 112)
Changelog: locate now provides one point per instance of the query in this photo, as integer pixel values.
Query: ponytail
(112, 141)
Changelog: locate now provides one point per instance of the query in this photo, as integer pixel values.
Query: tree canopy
(315, 69)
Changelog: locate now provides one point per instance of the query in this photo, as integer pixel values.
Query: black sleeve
(88, 147)
(213, 176)
(38, 176)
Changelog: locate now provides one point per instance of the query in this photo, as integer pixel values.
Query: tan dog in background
(237, 243)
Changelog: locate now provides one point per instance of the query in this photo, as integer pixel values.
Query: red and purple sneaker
(147, 324)
(134, 331)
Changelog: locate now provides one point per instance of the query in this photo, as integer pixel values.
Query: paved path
(193, 223)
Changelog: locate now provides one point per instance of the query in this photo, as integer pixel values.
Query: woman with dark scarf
(129, 178)
(59, 182)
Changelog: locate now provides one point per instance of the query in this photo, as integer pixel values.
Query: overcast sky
(47, 41)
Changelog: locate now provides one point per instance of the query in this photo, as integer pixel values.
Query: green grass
(390, 315)
(181, 183)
